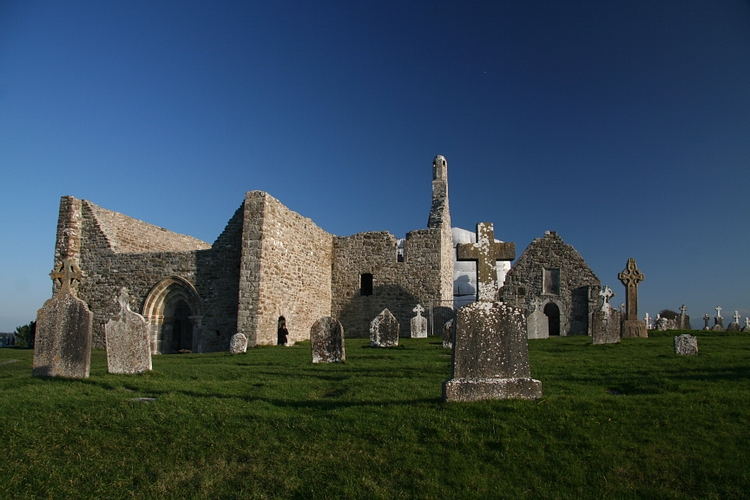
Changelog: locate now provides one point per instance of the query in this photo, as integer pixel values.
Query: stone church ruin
(269, 262)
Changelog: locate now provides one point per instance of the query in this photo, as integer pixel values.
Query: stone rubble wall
(579, 286)
(286, 271)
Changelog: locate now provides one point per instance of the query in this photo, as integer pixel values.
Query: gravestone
(683, 320)
(238, 344)
(686, 344)
(605, 322)
(127, 340)
(327, 341)
(537, 324)
(419, 324)
(746, 328)
(706, 318)
(490, 348)
(734, 326)
(718, 321)
(631, 277)
(384, 330)
(449, 331)
(647, 322)
(63, 330)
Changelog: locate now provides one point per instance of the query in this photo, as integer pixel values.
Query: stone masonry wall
(286, 269)
(578, 289)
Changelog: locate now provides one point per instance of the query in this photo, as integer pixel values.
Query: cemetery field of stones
(269, 422)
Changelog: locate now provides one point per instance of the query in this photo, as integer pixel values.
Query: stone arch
(554, 317)
(174, 313)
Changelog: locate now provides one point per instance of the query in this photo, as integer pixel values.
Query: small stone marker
(647, 321)
(127, 340)
(686, 344)
(384, 330)
(706, 318)
(537, 324)
(449, 331)
(605, 323)
(631, 277)
(419, 324)
(490, 348)
(746, 328)
(63, 330)
(238, 344)
(683, 320)
(327, 341)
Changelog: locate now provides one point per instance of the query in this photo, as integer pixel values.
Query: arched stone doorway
(553, 317)
(173, 311)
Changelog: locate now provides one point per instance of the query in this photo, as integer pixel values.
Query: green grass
(631, 420)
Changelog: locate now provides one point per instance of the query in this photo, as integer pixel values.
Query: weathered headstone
(605, 323)
(686, 344)
(718, 321)
(384, 330)
(449, 332)
(734, 326)
(127, 340)
(419, 324)
(746, 328)
(63, 330)
(238, 343)
(327, 341)
(706, 319)
(537, 324)
(683, 320)
(490, 348)
(647, 322)
(631, 277)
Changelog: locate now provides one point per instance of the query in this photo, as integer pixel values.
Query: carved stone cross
(486, 252)
(606, 294)
(647, 320)
(683, 308)
(747, 322)
(66, 273)
(718, 311)
(631, 278)
(419, 309)
(736, 316)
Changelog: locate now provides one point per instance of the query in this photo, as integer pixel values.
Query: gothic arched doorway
(553, 317)
(173, 311)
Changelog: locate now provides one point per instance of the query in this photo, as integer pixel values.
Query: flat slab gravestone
(419, 324)
(686, 344)
(490, 347)
(127, 340)
(327, 341)
(384, 330)
(63, 330)
(605, 321)
(537, 324)
(238, 344)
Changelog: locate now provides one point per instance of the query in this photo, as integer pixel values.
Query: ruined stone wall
(398, 286)
(578, 285)
(286, 271)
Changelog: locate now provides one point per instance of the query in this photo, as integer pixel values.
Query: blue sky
(623, 126)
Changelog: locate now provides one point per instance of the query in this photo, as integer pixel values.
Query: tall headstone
(683, 320)
(718, 321)
(537, 324)
(238, 343)
(384, 330)
(734, 326)
(706, 319)
(631, 277)
(327, 341)
(418, 324)
(63, 329)
(127, 340)
(647, 321)
(490, 348)
(449, 333)
(605, 327)
(686, 344)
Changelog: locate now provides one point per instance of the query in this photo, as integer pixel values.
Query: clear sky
(624, 126)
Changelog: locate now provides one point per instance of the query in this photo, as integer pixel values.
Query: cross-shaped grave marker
(631, 277)
(736, 317)
(606, 294)
(66, 273)
(486, 252)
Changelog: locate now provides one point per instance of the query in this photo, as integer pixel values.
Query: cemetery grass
(631, 420)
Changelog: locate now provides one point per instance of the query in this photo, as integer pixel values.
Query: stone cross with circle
(486, 252)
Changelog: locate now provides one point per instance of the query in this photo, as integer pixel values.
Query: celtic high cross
(486, 252)
(66, 273)
(631, 278)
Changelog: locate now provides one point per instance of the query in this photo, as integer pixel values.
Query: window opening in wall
(365, 285)
(552, 281)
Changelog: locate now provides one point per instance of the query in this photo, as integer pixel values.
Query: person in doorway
(282, 333)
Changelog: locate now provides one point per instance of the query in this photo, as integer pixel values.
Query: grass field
(631, 420)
